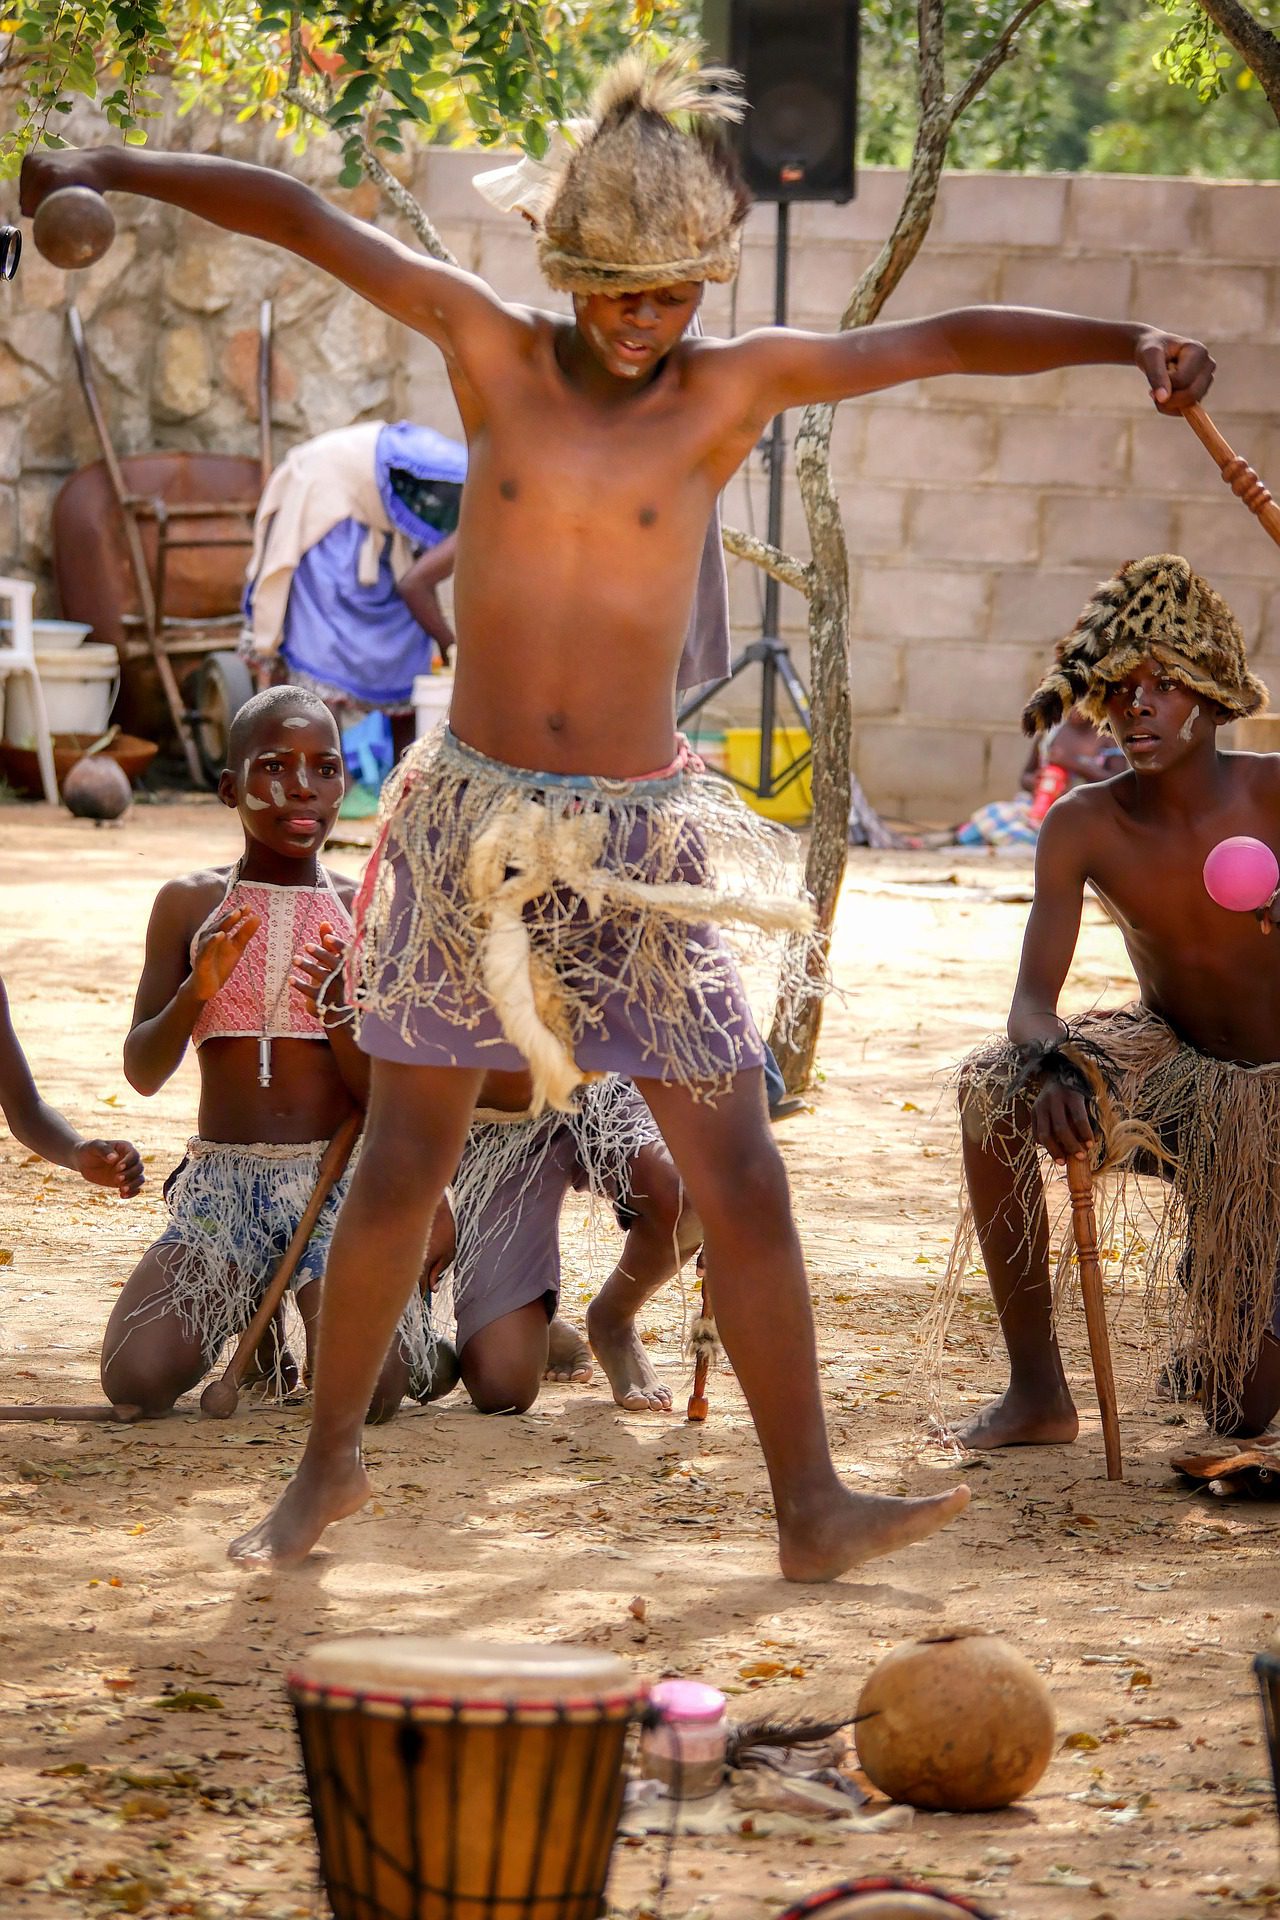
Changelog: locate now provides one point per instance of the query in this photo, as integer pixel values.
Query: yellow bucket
(742, 762)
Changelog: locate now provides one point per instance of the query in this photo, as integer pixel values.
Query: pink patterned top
(258, 1001)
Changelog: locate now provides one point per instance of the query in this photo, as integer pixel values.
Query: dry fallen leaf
(639, 1608)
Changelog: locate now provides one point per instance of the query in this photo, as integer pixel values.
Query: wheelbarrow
(151, 549)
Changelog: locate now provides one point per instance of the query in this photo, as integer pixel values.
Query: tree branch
(992, 61)
(784, 567)
(1257, 46)
(392, 190)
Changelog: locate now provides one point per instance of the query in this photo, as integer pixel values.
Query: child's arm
(794, 369)
(173, 989)
(319, 976)
(1060, 1116)
(33, 1122)
(454, 309)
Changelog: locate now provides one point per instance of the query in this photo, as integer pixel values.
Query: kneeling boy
(275, 1081)
(1186, 1081)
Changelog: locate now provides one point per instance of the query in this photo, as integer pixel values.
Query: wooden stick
(1207, 434)
(121, 1416)
(1085, 1225)
(221, 1397)
(699, 1406)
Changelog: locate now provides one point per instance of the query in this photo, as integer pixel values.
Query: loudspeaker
(799, 60)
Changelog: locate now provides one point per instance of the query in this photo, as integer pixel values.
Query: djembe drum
(456, 1780)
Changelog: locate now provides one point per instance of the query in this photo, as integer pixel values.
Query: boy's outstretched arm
(41, 1129)
(456, 310)
(796, 369)
(1060, 1116)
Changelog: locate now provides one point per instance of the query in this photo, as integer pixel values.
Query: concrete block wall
(979, 512)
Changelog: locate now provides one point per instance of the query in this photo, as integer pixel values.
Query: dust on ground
(149, 1761)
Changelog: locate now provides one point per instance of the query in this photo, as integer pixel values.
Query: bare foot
(1016, 1420)
(616, 1345)
(568, 1355)
(312, 1501)
(846, 1528)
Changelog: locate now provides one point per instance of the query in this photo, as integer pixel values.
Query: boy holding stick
(1184, 1083)
(552, 870)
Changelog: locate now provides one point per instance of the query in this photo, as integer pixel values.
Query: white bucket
(80, 687)
(432, 693)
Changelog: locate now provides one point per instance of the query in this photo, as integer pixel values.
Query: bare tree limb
(784, 567)
(991, 62)
(393, 191)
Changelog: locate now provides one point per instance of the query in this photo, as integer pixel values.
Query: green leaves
(439, 70)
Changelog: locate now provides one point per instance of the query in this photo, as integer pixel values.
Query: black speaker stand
(777, 670)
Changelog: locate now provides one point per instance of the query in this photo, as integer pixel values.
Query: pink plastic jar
(685, 1752)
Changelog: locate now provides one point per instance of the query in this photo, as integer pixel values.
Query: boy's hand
(1179, 371)
(219, 949)
(1060, 1121)
(110, 1163)
(44, 173)
(317, 973)
(442, 1244)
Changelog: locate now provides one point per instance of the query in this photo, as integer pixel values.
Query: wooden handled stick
(1085, 1225)
(121, 1416)
(1208, 436)
(704, 1340)
(221, 1397)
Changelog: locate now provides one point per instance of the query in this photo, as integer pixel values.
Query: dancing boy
(1186, 1081)
(538, 903)
(275, 1081)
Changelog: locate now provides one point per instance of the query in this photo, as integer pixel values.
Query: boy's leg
(735, 1178)
(150, 1360)
(393, 1380)
(1259, 1400)
(416, 1125)
(1007, 1196)
(503, 1363)
(664, 1231)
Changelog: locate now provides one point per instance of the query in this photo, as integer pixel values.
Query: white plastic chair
(19, 656)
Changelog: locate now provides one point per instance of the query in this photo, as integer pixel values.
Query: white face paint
(1188, 725)
(297, 720)
(303, 781)
(253, 803)
(277, 793)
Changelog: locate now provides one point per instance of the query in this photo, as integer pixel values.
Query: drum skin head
(464, 1670)
(891, 1906)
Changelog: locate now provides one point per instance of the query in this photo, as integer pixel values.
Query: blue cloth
(420, 474)
(360, 640)
(363, 640)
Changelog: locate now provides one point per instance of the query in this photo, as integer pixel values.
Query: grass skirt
(234, 1212)
(574, 919)
(1188, 1193)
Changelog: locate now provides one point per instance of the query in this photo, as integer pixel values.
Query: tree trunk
(794, 1037)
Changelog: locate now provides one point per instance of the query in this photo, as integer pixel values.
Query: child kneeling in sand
(498, 1228)
(1186, 1081)
(275, 1083)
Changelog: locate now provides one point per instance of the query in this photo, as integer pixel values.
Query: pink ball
(1241, 874)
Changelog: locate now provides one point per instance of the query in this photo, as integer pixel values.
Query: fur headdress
(1153, 609)
(643, 200)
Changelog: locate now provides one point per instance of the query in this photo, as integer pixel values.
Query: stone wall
(979, 512)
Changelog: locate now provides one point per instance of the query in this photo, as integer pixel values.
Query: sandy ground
(149, 1763)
